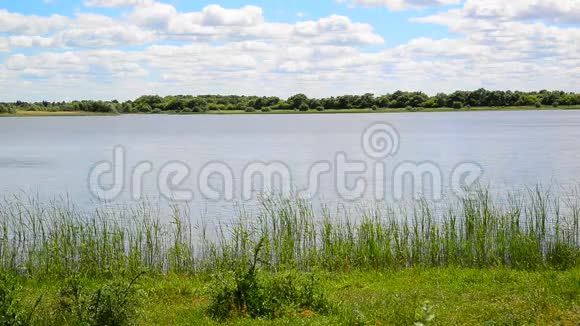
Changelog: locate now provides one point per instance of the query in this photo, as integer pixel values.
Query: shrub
(262, 295)
(7, 109)
(538, 105)
(156, 111)
(320, 108)
(468, 106)
(555, 104)
(375, 108)
(111, 304)
(562, 256)
(303, 107)
(457, 105)
(245, 292)
(186, 110)
(11, 311)
(144, 108)
(266, 109)
(249, 109)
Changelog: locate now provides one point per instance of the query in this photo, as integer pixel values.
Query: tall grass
(530, 231)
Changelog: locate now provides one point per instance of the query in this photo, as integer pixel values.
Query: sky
(62, 50)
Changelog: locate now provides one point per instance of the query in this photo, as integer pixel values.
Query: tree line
(300, 102)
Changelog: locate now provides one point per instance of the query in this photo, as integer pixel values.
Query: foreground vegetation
(397, 101)
(483, 259)
(442, 296)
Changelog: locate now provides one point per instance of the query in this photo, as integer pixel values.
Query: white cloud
(156, 15)
(13, 23)
(558, 11)
(492, 44)
(4, 44)
(215, 15)
(215, 23)
(23, 41)
(398, 5)
(117, 3)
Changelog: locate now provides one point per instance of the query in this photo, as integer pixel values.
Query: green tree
(297, 100)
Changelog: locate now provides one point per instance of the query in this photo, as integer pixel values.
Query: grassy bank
(403, 110)
(236, 112)
(443, 296)
(54, 114)
(508, 260)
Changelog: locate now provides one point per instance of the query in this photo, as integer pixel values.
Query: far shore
(236, 112)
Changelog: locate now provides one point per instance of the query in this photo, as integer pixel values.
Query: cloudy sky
(105, 49)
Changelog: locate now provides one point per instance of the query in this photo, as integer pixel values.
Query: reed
(528, 231)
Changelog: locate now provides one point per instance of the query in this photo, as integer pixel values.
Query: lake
(56, 156)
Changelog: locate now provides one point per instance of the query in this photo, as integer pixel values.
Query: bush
(375, 108)
(457, 105)
(249, 109)
(468, 106)
(266, 109)
(186, 110)
(320, 108)
(111, 304)
(11, 311)
(538, 105)
(144, 108)
(304, 107)
(263, 295)
(245, 292)
(555, 104)
(7, 109)
(157, 111)
(562, 256)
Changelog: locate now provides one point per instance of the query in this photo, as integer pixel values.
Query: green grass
(453, 296)
(483, 259)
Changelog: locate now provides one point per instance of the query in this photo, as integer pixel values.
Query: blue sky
(106, 49)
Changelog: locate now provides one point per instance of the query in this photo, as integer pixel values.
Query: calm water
(53, 156)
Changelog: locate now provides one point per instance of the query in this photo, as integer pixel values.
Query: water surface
(53, 156)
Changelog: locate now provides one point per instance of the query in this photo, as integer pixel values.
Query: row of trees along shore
(300, 102)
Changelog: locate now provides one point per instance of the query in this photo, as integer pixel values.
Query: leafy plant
(247, 292)
(457, 105)
(112, 304)
(424, 314)
(11, 311)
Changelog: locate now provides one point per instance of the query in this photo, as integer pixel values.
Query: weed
(12, 313)
(112, 304)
